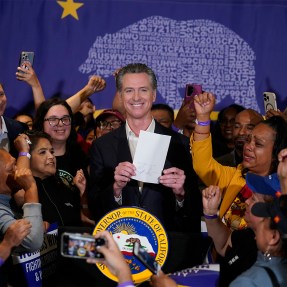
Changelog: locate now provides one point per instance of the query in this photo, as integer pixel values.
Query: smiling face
(43, 161)
(60, 132)
(257, 152)
(137, 95)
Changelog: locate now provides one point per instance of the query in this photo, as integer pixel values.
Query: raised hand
(17, 231)
(113, 258)
(96, 84)
(204, 105)
(80, 181)
(211, 198)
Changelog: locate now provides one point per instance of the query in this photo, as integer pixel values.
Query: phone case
(190, 91)
(269, 101)
(145, 258)
(26, 56)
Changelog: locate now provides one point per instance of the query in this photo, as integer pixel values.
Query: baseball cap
(267, 185)
(110, 112)
(277, 211)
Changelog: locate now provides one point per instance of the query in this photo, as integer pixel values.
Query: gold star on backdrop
(70, 8)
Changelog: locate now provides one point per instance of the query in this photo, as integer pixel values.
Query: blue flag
(234, 49)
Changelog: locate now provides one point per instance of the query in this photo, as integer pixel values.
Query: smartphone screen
(78, 245)
(190, 91)
(145, 258)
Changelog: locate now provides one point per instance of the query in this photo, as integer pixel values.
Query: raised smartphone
(190, 91)
(269, 101)
(146, 259)
(24, 57)
(77, 245)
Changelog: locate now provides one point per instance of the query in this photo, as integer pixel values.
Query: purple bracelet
(210, 216)
(126, 284)
(22, 153)
(203, 124)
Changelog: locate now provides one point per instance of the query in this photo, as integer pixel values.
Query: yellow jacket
(229, 179)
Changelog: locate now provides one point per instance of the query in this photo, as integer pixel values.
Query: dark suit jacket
(14, 129)
(111, 149)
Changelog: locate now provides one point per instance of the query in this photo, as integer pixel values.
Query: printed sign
(39, 265)
(128, 225)
(198, 276)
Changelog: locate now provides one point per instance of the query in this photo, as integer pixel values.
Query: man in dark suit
(176, 199)
(9, 128)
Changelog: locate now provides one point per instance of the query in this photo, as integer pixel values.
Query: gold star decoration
(70, 8)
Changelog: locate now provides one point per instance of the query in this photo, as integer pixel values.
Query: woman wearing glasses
(55, 117)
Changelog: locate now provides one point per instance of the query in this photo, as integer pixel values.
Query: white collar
(130, 133)
(4, 127)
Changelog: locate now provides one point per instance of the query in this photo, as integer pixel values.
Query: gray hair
(135, 68)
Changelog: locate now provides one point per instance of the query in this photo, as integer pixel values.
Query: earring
(267, 256)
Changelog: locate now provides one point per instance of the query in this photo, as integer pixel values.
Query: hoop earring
(267, 256)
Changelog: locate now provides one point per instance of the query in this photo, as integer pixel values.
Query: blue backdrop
(236, 49)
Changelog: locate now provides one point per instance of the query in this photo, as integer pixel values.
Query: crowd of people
(64, 166)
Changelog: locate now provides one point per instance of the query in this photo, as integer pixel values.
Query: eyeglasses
(105, 124)
(66, 121)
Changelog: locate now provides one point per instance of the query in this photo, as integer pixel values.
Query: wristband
(126, 284)
(210, 216)
(174, 128)
(24, 154)
(201, 133)
(207, 123)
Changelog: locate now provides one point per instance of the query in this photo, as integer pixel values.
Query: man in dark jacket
(175, 201)
(9, 128)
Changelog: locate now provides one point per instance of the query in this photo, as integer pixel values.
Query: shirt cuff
(32, 209)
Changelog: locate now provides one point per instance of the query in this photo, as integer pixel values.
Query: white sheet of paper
(150, 156)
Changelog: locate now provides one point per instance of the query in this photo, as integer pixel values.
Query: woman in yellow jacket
(259, 156)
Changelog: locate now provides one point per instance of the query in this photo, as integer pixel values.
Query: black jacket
(111, 149)
(60, 204)
(14, 129)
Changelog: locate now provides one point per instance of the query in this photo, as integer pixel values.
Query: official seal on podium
(133, 224)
